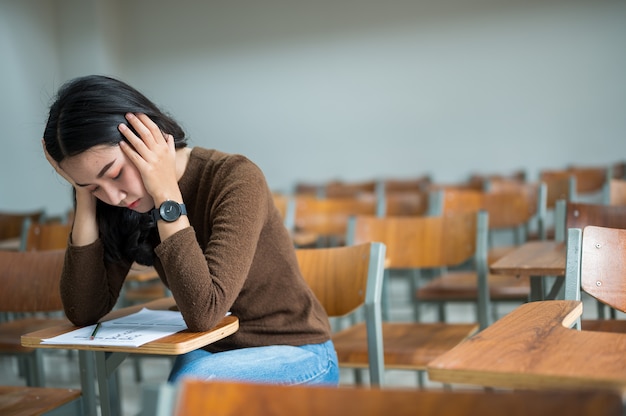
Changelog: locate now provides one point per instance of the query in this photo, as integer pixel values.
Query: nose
(115, 196)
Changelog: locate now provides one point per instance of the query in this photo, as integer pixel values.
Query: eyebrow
(101, 173)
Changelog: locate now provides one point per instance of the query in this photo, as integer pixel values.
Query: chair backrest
(419, 183)
(590, 179)
(423, 242)
(346, 278)
(343, 278)
(507, 208)
(431, 242)
(559, 186)
(615, 192)
(344, 189)
(47, 236)
(329, 216)
(29, 281)
(596, 262)
(579, 215)
(12, 223)
(398, 203)
(487, 181)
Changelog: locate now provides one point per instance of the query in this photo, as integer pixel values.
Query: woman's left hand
(154, 155)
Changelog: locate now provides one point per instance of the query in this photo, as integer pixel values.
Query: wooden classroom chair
(557, 187)
(46, 236)
(596, 265)
(487, 181)
(433, 243)
(579, 215)
(511, 207)
(29, 284)
(589, 180)
(199, 398)
(615, 192)
(510, 211)
(35, 401)
(345, 279)
(423, 242)
(350, 189)
(404, 196)
(322, 222)
(12, 224)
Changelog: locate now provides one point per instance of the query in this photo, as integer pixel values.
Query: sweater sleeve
(89, 289)
(205, 281)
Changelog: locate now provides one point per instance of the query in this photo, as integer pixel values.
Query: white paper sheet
(128, 331)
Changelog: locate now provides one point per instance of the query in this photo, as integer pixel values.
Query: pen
(95, 330)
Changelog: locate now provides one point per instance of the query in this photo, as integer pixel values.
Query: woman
(204, 219)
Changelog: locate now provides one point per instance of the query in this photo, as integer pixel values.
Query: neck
(182, 158)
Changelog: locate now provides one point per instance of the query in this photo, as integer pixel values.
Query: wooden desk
(536, 259)
(534, 347)
(199, 398)
(108, 358)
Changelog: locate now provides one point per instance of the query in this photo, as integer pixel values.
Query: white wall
(347, 88)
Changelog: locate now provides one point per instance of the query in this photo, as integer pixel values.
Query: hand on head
(153, 153)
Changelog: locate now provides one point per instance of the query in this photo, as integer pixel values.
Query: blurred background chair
(512, 212)
(322, 222)
(13, 225)
(346, 278)
(29, 289)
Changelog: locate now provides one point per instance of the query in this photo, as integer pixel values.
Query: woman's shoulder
(214, 160)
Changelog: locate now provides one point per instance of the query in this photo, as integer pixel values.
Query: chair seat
(462, 286)
(18, 400)
(409, 346)
(11, 331)
(604, 325)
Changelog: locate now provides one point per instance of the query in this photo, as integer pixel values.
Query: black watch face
(170, 211)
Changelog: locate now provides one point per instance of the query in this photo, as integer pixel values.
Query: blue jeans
(276, 364)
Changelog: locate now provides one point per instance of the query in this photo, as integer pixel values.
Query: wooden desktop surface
(175, 344)
(533, 258)
(533, 347)
(198, 398)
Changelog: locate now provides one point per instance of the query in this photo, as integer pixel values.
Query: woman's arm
(89, 287)
(206, 281)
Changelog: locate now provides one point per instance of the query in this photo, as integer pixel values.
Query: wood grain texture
(533, 347)
(534, 258)
(229, 399)
(29, 401)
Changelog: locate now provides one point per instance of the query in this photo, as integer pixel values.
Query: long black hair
(86, 112)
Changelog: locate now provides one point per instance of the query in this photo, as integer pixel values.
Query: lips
(133, 205)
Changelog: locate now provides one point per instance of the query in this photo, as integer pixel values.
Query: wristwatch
(169, 211)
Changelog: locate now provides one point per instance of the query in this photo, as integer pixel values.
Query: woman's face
(110, 176)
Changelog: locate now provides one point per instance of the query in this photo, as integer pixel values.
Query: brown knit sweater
(237, 256)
